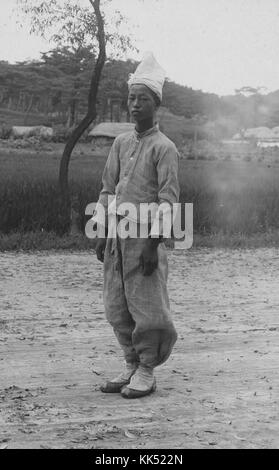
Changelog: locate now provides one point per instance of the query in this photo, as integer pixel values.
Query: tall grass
(38, 206)
(229, 197)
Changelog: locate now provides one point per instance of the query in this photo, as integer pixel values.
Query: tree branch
(91, 108)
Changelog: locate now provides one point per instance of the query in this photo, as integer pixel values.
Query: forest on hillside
(56, 87)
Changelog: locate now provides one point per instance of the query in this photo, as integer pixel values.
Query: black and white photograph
(139, 227)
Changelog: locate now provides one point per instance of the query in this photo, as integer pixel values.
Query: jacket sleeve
(167, 170)
(168, 191)
(110, 176)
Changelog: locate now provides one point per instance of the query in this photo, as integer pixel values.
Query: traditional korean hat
(150, 74)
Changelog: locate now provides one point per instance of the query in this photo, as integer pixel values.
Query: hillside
(54, 90)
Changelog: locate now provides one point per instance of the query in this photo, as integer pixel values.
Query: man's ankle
(131, 365)
(146, 370)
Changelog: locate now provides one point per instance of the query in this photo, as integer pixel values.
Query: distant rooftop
(111, 129)
(259, 133)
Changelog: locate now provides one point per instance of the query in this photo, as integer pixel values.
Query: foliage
(56, 87)
(60, 80)
(73, 25)
(80, 33)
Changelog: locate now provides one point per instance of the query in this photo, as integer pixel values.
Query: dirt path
(219, 389)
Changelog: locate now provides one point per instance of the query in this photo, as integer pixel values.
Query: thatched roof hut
(110, 130)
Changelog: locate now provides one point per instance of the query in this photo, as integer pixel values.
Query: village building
(103, 134)
(262, 136)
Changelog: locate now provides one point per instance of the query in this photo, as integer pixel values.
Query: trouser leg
(154, 334)
(154, 347)
(115, 303)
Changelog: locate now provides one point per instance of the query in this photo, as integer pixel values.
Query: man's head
(142, 102)
(150, 74)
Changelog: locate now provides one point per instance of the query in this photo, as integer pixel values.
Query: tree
(72, 85)
(254, 101)
(16, 92)
(249, 90)
(75, 26)
(59, 82)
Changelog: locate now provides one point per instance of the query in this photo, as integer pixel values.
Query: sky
(212, 45)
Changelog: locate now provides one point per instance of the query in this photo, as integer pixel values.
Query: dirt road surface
(219, 389)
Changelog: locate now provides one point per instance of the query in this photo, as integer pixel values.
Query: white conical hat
(150, 74)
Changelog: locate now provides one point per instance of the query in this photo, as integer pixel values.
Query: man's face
(141, 103)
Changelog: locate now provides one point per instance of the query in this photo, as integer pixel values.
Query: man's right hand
(100, 245)
(100, 248)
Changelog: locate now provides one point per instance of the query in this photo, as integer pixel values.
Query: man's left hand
(149, 257)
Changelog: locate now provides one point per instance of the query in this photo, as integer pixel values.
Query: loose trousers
(137, 306)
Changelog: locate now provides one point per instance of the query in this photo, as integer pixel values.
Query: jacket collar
(152, 130)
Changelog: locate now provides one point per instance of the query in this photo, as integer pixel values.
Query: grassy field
(231, 198)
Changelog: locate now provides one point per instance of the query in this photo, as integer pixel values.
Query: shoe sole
(113, 387)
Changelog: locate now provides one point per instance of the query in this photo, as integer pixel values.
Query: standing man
(142, 167)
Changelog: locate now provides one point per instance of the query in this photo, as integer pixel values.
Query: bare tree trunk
(24, 102)
(30, 104)
(28, 109)
(195, 141)
(10, 102)
(72, 113)
(18, 103)
(46, 104)
(103, 110)
(110, 111)
(86, 121)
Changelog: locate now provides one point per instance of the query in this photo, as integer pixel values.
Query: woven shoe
(115, 385)
(141, 384)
